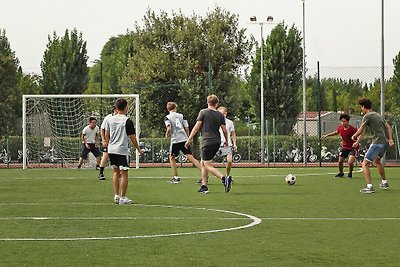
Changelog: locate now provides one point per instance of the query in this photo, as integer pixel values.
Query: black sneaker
(349, 175)
(98, 167)
(102, 177)
(227, 183)
(223, 180)
(339, 174)
(203, 189)
(79, 167)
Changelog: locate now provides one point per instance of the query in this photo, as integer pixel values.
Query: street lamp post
(253, 19)
(101, 86)
(383, 60)
(304, 87)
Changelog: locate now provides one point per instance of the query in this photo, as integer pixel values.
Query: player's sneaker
(98, 167)
(349, 175)
(79, 167)
(367, 190)
(125, 201)
(102, 177)
(384, 186)
(339, 174)
(116, 200)
(175, 180)
(203, 189)
(227, 183)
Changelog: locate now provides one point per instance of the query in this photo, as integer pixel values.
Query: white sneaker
(116, 200)
(125, 201)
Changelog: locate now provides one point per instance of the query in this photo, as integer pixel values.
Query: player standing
(104, 145)
(228, 151)
(349, 147)
(119, 129)
(89, 142)
(178, 128)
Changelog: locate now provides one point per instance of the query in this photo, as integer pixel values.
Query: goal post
(52, 125)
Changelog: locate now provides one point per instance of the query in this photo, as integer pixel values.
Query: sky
(341, 33)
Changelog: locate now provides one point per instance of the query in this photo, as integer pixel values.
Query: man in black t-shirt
(208, 122)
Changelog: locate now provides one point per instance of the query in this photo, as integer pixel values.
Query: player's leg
(228, 164)
(116, 174)
(340, 164)
(124, 167)
(370, 157)
(188, 153)
(84, 154)
(103, 162)
(173, 152)
(351, 161)
(381, 168)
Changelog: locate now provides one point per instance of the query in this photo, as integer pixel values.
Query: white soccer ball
(290, 179)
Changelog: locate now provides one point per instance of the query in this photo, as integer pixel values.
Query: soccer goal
(52, 126)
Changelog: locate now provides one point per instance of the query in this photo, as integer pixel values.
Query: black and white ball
(290, 179)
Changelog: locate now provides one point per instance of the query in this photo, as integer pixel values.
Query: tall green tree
(282, 62)
(183, 59)
(9, 93)
(64, 64)
(111, 67)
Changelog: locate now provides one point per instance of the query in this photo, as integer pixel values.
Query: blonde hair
(171, 106)
(212, 100)
(223, 109)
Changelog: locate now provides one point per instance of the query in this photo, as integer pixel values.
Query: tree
(9, 93)
(282, 77)
(65, 71)
(64, 65)
(113, 60)
(174, 57)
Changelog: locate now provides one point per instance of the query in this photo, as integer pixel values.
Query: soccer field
(65, 217)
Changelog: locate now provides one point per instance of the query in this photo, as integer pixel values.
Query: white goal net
(52, 126)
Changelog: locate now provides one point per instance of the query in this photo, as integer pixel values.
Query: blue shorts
(92, 148)
(376, 150)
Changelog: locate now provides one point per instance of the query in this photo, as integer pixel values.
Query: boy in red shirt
(349, 147)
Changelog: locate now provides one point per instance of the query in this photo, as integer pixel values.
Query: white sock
(384, 182)
(369, 185)
(176, 177)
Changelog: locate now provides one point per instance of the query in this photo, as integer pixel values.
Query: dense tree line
(175, 57)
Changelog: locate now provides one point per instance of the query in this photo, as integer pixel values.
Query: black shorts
(92, 148)
(208, 152)
(347, 152)
(119, 161)
(175, 148)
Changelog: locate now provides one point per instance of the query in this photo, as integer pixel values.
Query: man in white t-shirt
(104, 145)
(89, 142)
(228, 150)
(119, 130)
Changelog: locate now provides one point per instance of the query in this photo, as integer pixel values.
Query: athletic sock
(384, 181)
(101, 170)
(369, 185)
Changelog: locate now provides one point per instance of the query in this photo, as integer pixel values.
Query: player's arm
(330, 134)
(233, 137)
(135, 143)
(84, 142)
(357, 142)
(187, 131)
(359, 131)
(195, 129)
(390, 135)
(168, 131)
(96, 139)
(225, 132)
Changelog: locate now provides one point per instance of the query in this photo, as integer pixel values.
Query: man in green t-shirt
(383, 139)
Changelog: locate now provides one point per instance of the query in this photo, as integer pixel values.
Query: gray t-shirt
(377, 126)
(120, 128)
(211, 121)
(178, 125)
(90, 134)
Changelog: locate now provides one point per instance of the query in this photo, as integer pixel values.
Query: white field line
(255, 221)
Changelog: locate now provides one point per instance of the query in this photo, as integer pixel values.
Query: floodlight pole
(262, 146)
(304, 87)
(383, 62)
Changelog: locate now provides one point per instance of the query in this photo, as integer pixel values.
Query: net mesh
(53, 125)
